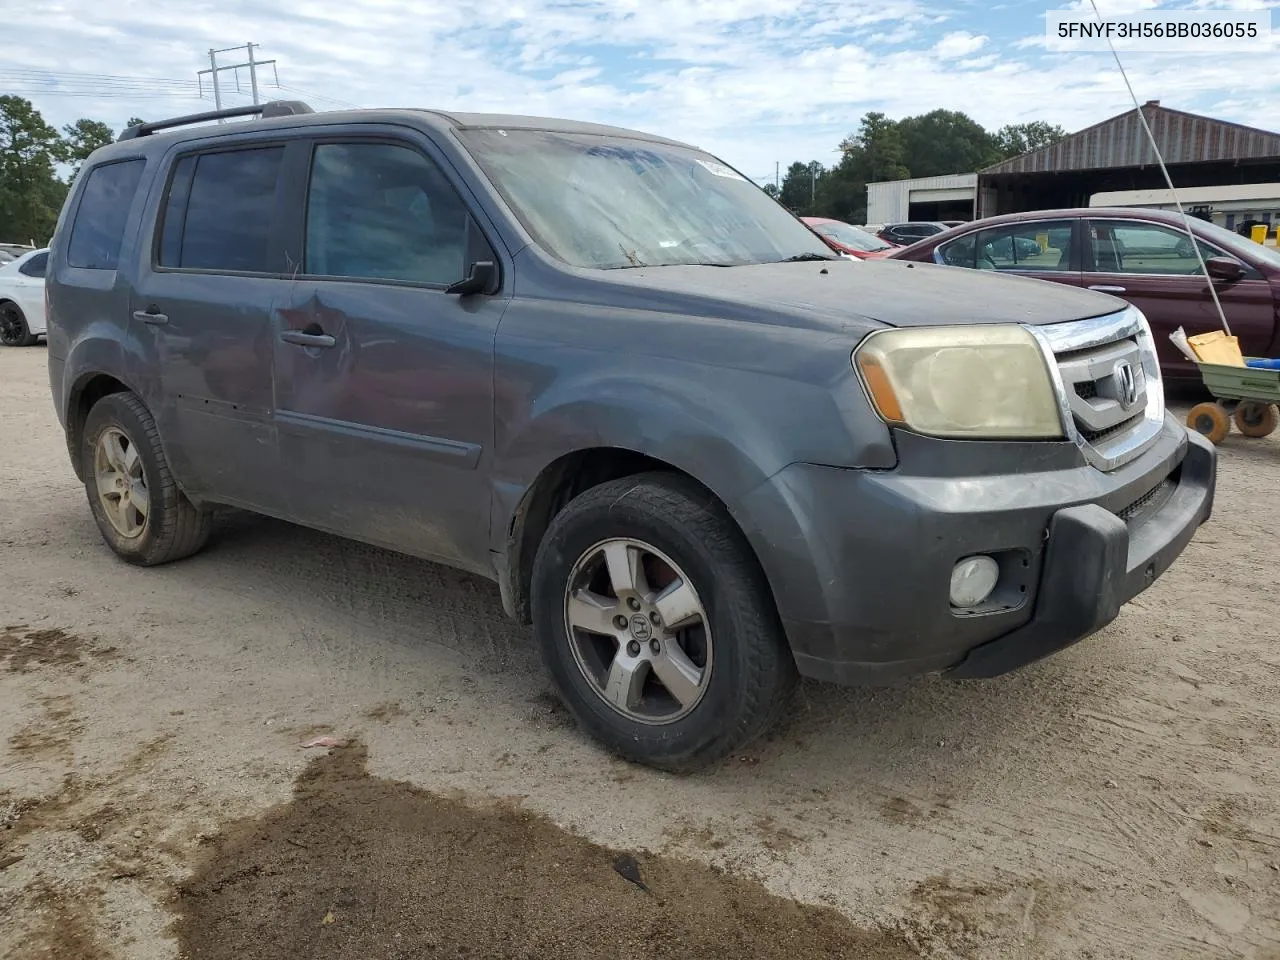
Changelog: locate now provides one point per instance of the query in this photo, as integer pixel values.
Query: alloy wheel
(13, 329)
(122, 486)
(639, 631)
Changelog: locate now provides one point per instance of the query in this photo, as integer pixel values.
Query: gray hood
(841, 294)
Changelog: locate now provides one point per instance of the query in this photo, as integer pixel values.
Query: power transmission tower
(216, 68)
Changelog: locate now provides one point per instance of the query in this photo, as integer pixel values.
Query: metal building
(925, 198)
(1115, 155)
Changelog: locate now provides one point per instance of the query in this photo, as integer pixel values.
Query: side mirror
(1224, 268)
(482, 278)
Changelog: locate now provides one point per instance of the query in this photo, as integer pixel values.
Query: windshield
(1236, 244)
(610, 202)
(851, 236)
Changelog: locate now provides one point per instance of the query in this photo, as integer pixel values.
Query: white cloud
(756, 81)
(958, 44)
(1113, 8)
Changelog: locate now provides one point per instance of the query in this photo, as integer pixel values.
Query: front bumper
(860, 561)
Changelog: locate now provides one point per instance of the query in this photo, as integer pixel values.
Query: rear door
(384, 381)
(202, 304)
(1042, 249)
(1155, 268)
(29, 290)
(88, 273)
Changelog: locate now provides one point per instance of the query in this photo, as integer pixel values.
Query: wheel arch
(85, 391)
(558, 483)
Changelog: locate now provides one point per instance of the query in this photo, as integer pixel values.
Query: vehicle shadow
(924, 734)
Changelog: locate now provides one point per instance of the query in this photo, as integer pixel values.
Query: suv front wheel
(142, 514)
(657, 624)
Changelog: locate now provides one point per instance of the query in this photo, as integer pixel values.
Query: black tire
(174, 528)
(14, 331)
(753, 673)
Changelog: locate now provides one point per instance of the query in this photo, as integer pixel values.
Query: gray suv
(699, 453)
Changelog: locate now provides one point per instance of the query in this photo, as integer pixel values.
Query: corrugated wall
(889, 201)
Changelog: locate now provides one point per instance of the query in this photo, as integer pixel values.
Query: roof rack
(276, 108)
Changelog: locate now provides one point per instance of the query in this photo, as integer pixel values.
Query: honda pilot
(698, 452)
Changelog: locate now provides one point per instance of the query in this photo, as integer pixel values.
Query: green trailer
(1247, 395)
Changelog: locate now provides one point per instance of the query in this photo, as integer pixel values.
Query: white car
(22, 319)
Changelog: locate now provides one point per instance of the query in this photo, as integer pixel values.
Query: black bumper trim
(1094, 564)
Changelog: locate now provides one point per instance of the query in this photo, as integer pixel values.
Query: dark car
(903, 234)
(1144, 256)
(698, 451)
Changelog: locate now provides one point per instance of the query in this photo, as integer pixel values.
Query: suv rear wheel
(657, 624)
(140, 511)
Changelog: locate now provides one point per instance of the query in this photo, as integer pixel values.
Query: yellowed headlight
(982, 381)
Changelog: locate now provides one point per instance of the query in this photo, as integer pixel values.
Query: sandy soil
(1121, 799)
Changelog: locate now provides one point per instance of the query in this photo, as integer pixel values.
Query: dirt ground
(1121, 799)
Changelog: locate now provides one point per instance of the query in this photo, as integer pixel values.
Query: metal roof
(1121, 142)
(943, 182)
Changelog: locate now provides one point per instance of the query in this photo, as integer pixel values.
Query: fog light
(972, 581)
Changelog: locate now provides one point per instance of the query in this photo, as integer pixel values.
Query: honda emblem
(1126, 384)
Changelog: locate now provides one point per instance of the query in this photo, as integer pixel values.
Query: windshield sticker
(720, 170)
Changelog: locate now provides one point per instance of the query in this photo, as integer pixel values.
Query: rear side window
(1039, 246)
(104, 207)
(219, 211)
(35, 267)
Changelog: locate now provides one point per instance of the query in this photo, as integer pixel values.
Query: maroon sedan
(1143, 256)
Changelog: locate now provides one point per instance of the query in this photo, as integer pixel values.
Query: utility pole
(777, 176)
(213, 71)
(253, 72)
(250, 62)
(813, 183)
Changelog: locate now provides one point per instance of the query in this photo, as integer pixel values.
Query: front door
(384, 382)
(201, 308)
(1155, 268)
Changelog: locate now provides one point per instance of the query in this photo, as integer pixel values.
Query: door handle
(1106, 288)
(300, 339)
(151, 317)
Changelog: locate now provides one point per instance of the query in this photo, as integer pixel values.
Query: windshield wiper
(805, 258)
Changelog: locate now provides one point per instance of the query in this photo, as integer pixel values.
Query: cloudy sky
(754, 81)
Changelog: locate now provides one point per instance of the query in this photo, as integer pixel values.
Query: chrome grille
(1108, 382)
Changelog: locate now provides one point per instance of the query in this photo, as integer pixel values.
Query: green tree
(876, 151)
(931, 144)
(134, 122)
(1015, 139)
(771, 189)
(842, 191)
(945, 141)
(82, 138)
(799, 187)
(30, 192)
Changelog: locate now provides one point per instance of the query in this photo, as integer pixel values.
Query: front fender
(669, 419)
(730, 429)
